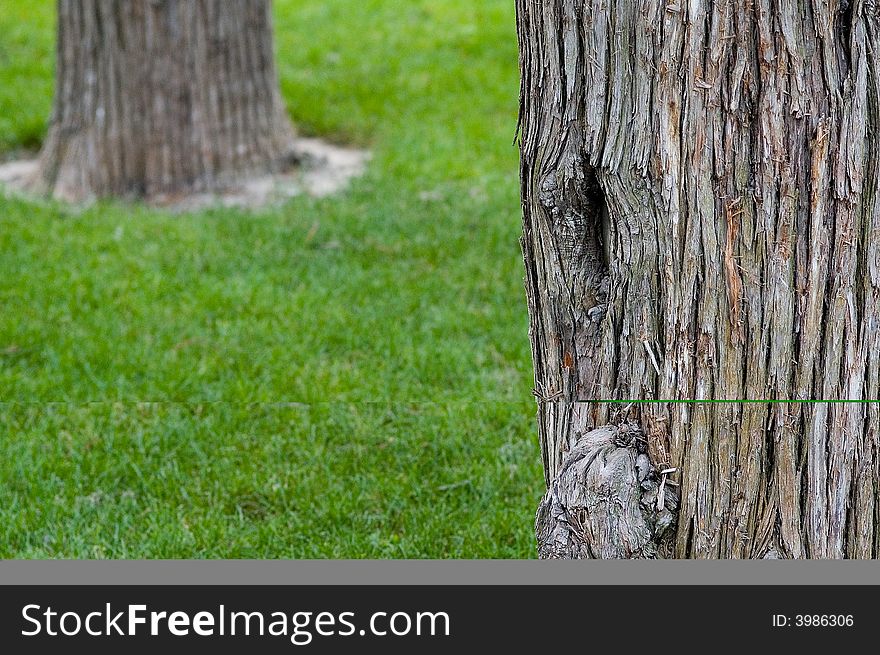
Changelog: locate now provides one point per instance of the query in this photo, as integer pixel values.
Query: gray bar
(437, 572)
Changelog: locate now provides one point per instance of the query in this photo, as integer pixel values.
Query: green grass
(346, 377)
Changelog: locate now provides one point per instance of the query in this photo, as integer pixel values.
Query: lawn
(345, 377)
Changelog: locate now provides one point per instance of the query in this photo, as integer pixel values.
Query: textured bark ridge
(162, 97)
(701, 221)
(608, 501)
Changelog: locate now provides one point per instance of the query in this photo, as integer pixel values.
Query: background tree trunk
(701, 222)
(159, 97)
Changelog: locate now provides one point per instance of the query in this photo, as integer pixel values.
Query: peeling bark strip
(159, 97)
(701, 221)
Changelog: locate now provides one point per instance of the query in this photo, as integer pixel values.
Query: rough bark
(608, 501)
(159, 97)
(701, 222)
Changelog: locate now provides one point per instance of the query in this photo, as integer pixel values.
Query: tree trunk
(702, 223)
(157, 97)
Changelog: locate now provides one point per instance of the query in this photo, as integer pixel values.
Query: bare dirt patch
(322, 169)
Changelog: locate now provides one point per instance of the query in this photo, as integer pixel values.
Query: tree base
(315, 168)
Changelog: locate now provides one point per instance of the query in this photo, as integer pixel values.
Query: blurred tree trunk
(158, 97)
(702, 222)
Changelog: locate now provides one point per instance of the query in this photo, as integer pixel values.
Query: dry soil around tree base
(321, 169)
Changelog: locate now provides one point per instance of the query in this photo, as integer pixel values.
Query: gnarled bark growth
(608, 501)
(701, 222)
(162, 97)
